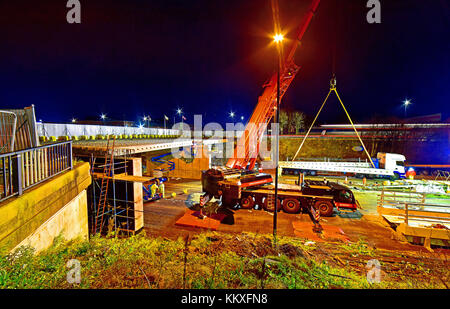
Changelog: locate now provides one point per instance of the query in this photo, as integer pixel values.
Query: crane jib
(265, 108)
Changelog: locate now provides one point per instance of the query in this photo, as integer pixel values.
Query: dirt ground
(365, 233)
(160, 217)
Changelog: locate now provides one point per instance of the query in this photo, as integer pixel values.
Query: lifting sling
(333, 88)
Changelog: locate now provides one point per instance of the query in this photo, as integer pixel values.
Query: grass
(205, 261)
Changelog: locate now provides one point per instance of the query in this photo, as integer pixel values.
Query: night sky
(132, 58)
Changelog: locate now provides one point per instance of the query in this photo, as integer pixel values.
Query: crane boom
(247, 149)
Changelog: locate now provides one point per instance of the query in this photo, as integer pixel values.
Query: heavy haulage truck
(386, 165)
(238, 183)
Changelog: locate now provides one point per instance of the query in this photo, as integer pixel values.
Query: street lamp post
(103, 118)
(278, 40)
(147, 120)
(180, 112)
(405, 104)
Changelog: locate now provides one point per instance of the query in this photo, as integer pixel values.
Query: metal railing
(24, 169)
(413, 206)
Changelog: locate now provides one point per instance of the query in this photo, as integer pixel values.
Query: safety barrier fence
(24, 169)
(412, 206)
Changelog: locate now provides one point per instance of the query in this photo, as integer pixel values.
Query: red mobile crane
(267, 102)
(238, 184)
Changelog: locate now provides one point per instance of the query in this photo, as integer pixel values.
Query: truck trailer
(387, 165)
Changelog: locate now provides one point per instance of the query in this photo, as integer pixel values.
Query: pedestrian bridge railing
(24, 169)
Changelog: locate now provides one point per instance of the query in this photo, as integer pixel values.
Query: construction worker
(153, 189)
(161, 188)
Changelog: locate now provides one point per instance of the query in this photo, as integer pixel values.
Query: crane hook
(333, 82)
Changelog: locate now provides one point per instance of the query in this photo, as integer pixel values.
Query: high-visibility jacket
(161, 189)
(153, 189)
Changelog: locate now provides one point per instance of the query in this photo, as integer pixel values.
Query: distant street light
(405, 104)
(180, 113)
(74, 120)
(102, 116)
(242, 118)
(232, 114)
(147, 120)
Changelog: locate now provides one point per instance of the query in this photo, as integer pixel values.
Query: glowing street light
(278, 38)
(232, 114)
(179, 111)
(74, 120)
(102, 116)
(242, 118)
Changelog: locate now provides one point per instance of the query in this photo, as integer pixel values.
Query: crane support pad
(191, 219)
(304, 229)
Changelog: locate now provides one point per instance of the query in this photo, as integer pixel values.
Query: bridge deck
(128, 147)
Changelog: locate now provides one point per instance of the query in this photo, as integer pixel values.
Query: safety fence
(24, 169)
(413, 207)
(62, 129)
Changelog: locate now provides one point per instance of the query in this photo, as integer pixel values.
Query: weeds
(209, 260)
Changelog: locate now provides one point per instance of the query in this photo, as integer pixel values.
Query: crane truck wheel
(271, 208)
(325, 208)
(247, 202)
(291, 205)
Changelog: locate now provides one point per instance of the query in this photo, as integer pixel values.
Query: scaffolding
(111, 196)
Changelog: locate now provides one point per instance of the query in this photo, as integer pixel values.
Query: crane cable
(333, 88)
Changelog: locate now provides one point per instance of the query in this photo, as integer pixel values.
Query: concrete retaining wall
(38, 209)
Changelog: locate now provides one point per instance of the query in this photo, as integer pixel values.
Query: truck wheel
(325, 208)
(266, 208)
(291, 205)
(247, 202)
